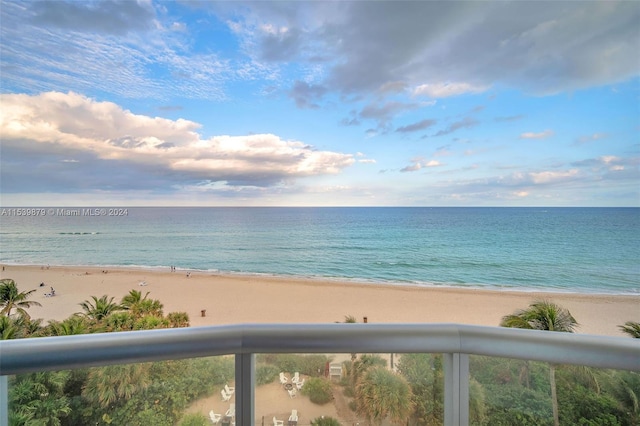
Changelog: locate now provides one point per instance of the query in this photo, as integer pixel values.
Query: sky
(385, 103)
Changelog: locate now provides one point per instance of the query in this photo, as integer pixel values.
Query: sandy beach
(234, 299)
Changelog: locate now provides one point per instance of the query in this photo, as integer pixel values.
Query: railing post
(245, 389)
(4, 401)
(456, 389)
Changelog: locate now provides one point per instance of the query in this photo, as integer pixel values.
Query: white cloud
(171, 151)
(541, 135)
(445, 90)
(547, 177)
(419, 164)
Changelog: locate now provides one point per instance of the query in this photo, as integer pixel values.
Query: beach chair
(231, 412)
(292, 393)
(300, 384)
(225, 396)
(283, 379)
(294, 416)
(229, 390)
(215, 418)
(296, 377)
(277, 422)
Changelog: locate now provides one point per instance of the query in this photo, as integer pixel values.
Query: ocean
(585, 250)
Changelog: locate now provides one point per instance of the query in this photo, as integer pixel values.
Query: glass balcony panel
(349, 388)
(503, 390)
(159, 393)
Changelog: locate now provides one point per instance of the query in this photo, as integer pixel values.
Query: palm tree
(119, 321)
(360, 367)
(133, 298)
(384, 394)
(106, 385)
(632, 328)
(147, 307)
(9, 328)
(75, 324)
(626, 389)
(544, 315)
(11, 298)
(39, 399)
(100, 308)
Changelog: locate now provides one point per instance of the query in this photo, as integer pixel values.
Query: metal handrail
(456, 342)
(67, 352)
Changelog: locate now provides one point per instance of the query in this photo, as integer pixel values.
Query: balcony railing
(455, 342)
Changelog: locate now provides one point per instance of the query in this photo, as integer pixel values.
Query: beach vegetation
(75, 324)
(9, 328)
(39, 399)
(325, 421)
(544, 315)
(194, 419)
(31, 327)
(477, 404)
(425, 376)
(624, 386)
(178, 319)
(119, 321)
(319, 390)
(266, 373)
(631, 328)
(11, 298)
(362, 364)
(151, 322)
(309, 365)
(132, 298)
(147, 307)
(105, 385)
(382, 394)
(99, 308)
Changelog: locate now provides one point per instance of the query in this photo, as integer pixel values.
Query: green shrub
(194, 419)
(309, 365)
(325, 421)
(319, 390)
(266, 373)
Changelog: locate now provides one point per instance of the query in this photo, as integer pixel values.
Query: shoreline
(230, 298)
(502, 288)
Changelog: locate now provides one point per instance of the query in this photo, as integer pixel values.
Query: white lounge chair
(215, 418)
(296, 377)
(229, 390)
(231, 412)
(277, 422)
(299, 384)
(283, 379)
(292, 393)
(225, 396)
(294, 416)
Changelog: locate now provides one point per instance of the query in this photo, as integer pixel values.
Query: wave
(78, 233)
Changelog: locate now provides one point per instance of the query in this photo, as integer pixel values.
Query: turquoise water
(593, 250)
